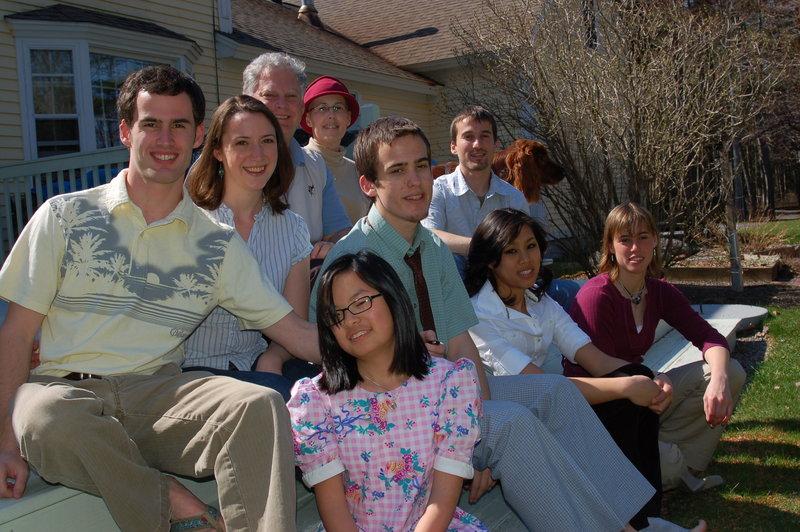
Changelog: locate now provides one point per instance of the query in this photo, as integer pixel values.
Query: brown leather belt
(75, 376)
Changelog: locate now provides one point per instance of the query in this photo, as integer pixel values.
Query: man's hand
(662, 401)
(481, 483)
(320, 249)
(14, 470)
(435, 347)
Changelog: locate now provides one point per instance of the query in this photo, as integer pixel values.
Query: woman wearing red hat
(329, 110)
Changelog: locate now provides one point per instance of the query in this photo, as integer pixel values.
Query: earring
(221, 172)
(613, 259)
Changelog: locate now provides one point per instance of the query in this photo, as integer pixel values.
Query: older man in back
(279, 81)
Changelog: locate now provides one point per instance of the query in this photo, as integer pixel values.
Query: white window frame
(82, 39)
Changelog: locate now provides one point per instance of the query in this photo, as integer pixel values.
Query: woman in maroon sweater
(620, 309)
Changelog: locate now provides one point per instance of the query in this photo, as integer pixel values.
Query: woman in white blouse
(518, 322)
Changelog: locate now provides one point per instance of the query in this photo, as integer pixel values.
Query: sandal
(209, 520)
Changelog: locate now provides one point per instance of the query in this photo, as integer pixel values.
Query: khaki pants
(684, 422)
(113, 437)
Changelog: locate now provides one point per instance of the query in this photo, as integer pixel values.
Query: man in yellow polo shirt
(116, 277)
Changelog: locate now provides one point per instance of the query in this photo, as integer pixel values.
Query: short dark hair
(204, 184)
(382, 131)
(159, 79)
(476, 112)
(339, 369)
(496, 231)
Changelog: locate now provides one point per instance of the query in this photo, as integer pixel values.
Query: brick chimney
(308, 14)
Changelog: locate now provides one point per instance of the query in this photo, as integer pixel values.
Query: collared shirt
(508, 340)
(455, 208)
(119, 296)
(312, 194)
(278, 242)
(452, 310)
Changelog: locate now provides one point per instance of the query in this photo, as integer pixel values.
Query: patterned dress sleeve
(315, 445)
(458, 427)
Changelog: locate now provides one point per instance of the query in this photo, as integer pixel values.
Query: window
(69, 84)
(107, 74)
(55, 111)
(55, 104)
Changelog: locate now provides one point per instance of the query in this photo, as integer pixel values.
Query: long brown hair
(204, 183)
(627, 217)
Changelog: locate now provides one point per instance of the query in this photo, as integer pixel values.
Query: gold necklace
(392, 403)
(376, 383)
(635, 298)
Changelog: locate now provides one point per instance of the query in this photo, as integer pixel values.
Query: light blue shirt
(455, 208)
(278, 242)
(452, 310)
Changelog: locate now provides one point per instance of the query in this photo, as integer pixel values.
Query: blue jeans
(293, 370)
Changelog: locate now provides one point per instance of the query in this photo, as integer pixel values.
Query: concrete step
(671, 349)
(54, 507)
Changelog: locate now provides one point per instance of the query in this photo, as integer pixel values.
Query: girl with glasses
(385, 433)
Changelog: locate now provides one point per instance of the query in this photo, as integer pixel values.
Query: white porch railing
(24, 186)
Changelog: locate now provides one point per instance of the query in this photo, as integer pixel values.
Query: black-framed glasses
(362, 304)
(324, 108)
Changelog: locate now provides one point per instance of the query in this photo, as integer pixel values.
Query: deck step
(53, 507)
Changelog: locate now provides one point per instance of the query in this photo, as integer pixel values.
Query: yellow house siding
(190, 18)
(219, 78)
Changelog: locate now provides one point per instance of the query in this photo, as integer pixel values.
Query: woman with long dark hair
(518, 322)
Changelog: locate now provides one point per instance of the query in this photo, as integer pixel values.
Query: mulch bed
(782, 293)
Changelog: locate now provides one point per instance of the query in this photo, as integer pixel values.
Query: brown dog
(438, 170)
(527, 165)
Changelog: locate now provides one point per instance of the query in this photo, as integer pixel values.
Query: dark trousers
(635, 430)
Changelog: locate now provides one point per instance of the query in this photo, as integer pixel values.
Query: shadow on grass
(783, 425)
(725, 512)
(757, 496)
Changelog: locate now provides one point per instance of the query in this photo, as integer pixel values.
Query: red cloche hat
(328, 85)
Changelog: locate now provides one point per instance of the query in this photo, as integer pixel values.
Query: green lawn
(759, 456)
(790, 227)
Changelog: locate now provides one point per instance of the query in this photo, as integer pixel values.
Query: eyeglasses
(324, 108)
(362, 304)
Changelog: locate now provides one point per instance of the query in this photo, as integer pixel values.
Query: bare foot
(701, 527)
(183, 503)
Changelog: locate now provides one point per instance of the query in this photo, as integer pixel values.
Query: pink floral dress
(388, 443)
